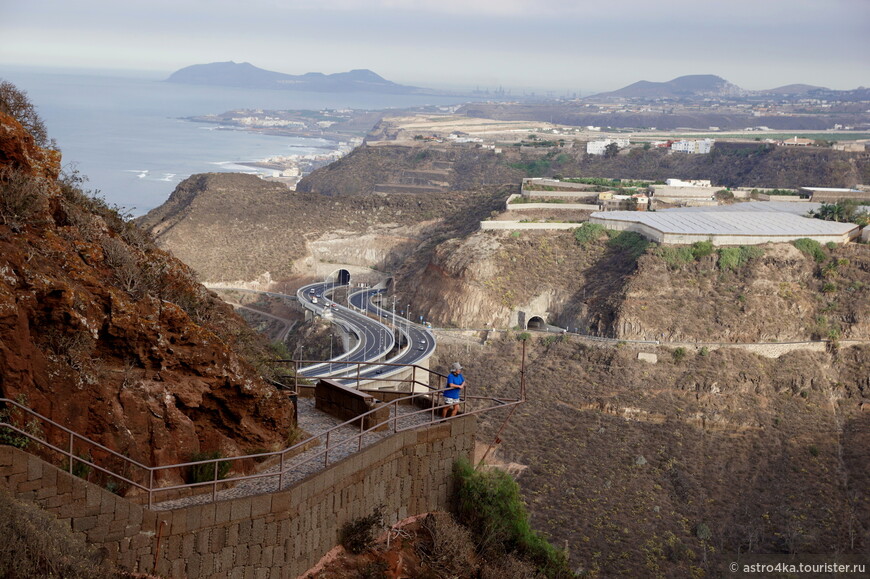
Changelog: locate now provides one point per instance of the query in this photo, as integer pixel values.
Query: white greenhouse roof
(754, 218)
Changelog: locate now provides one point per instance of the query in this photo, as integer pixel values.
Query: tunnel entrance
(536, 323)
(339, 277)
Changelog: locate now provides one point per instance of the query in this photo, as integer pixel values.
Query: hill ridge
(245, 74)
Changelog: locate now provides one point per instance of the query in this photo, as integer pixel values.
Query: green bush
(587, 233)
(679, 354)
(490, 505)
(733, 258)
(674, 256)
(205, 472)
(80, 468)
(14, 416)
(680, 255)
(702, 249)
(810, 247)
(633, 243)
(358, 536)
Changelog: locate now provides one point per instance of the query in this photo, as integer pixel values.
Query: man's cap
(455, 367)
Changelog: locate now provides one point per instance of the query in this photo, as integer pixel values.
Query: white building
(689, 183)
(598, 147)
(699, 147)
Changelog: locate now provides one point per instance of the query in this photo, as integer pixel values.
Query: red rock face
(112, 337)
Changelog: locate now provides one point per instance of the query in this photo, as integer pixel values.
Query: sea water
(125, 131)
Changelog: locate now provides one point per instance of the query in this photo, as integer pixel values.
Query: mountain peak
(246, 75)
(688, 86)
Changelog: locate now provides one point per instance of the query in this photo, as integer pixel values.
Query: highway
(374, 336)
(419, 340)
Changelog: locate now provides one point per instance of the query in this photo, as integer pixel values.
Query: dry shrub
(35, 544)
(124, 265)
(508, 567)
(449, 552)
(22, 196)
(14, 102)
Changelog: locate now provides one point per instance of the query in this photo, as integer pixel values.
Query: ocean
(124, 130)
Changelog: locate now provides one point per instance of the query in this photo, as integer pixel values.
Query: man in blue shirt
(455, 384)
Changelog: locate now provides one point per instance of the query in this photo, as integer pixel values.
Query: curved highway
(419, 341)
(374, 338)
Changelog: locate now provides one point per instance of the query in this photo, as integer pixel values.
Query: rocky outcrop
(112, 337)
(240, 228)
(503, 279)
(783, 295)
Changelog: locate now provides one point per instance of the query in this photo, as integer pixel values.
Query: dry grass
(35, 544)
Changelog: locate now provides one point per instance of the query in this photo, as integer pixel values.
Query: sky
(570, 46)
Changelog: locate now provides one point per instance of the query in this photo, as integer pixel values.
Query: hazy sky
(565, 45)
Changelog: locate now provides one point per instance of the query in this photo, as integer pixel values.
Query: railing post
(71, 455)
(214, 484)
(150, 487)
(326, 452)
(281, 473)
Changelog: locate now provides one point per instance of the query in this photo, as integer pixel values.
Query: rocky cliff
(500, 279)
(239, 228)
(112, 337)
(781, 295)
(503, 279)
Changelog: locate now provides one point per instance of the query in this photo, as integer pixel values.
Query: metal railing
(81, 453)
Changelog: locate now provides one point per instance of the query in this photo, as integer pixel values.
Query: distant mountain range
(247, 75)
(685, 86)
(708, 85)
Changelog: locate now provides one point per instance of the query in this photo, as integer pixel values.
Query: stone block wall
(347, 403)
(125, 530)
(278, 534)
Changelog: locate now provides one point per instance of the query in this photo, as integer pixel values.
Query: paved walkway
(300, 466)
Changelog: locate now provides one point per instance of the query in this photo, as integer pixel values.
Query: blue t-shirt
(454, 379)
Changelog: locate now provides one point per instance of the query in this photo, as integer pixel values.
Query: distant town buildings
(835, 194)
(797, 142)
(697, 147)
(853, 147)
(688, 183)
(599, 147)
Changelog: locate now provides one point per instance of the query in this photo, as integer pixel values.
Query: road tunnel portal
(339, 277)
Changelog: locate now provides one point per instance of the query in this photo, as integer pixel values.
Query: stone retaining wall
(279, 534)
(516, 225)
